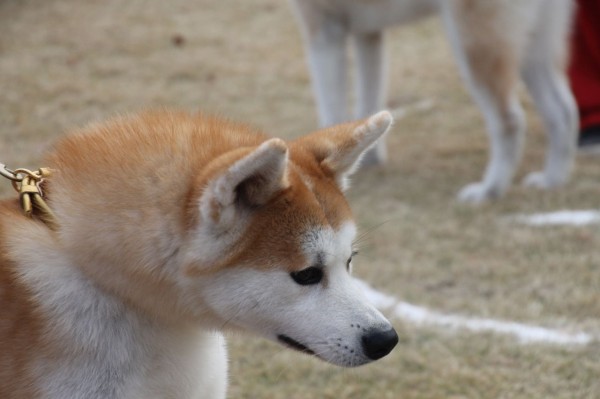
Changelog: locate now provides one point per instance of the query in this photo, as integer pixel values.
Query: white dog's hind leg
(506, 129)
(488, 58)
(552, 96)
(370, 85)
(544, 74)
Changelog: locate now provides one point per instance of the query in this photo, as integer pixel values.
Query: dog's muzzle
(376, 343)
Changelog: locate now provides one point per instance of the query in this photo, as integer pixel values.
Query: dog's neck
(94, 332)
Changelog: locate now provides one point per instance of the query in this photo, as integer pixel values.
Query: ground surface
(67, 62)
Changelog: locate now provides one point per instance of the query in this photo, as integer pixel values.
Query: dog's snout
(378, 343)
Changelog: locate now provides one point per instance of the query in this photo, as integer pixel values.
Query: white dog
(496, 43)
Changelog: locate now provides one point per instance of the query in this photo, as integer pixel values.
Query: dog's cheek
(254, 300)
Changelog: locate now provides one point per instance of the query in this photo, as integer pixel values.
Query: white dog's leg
(505, 124)
(544, 74)
(488, 55)
(370, 85)
(327, 58)
(325, 34)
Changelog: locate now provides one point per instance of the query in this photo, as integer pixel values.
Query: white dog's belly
(373, 15)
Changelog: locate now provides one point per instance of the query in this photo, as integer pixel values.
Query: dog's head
(271, 250)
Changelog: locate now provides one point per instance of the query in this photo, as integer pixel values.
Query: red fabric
(584, 71)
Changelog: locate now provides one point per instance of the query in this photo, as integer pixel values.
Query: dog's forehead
(327, 242)
(310, 222)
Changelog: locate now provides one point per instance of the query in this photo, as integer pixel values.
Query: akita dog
(171, 228)
(496, 43)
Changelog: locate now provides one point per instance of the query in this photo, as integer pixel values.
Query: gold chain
(28, 184)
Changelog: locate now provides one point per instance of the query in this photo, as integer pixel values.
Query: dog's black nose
(378, 343)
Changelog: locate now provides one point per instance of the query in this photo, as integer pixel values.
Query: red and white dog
(172, 227)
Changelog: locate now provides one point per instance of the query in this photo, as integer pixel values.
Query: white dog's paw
(541, 180)
(477, 193)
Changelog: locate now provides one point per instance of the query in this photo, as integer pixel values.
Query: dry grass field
(64, 63)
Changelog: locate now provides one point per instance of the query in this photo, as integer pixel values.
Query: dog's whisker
(369, 230)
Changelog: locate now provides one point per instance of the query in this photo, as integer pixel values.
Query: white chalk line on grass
(560, 218)
(525, 333)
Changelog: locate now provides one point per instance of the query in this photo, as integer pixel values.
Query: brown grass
(66, 62)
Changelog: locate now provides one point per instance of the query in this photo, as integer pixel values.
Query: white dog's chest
(193, 368)
(129, 365)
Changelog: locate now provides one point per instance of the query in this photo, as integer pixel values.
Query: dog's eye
(308, 276)
(350, 259)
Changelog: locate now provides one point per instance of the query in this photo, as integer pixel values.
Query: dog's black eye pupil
(308, 276)
(350, 259)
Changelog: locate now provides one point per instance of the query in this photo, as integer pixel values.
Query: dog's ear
(245, 183)
(339, 149)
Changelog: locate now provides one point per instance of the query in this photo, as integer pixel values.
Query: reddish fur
(152, 168)
(20, 325)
